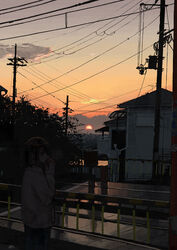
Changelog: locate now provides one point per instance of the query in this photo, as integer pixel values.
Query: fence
(73, 205)
(127, 169)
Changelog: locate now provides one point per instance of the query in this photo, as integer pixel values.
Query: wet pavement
(12, 239)
(128, 190)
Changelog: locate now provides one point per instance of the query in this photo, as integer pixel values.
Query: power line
(41, 102)
(48, 93)
(170, 47)
(44, 76)
(64, 52)
(114, 97)
(28, 7)
(61, 9)
(96, 31)
(86, 95)
(51, 16)
(121, 20)
(109, 106)
(78, 93)
(98, 73)
(61, 34)
(84, 37)
(68, 27)
(142, 83)
(71, 53)
(89, 38)
(88, 111)
(21, 5)
(44, 89)
(94, 58)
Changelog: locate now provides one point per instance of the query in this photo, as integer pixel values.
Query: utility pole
(173, 194)
(158, 91)
(66, 114)
(14, 76)
(15, 62)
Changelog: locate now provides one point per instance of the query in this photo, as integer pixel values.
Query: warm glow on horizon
(88, 127)
(95, 64)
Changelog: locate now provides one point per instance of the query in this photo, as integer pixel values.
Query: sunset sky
(94, 63)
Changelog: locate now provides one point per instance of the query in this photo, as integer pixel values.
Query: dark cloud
(26, 50)
(95, 121)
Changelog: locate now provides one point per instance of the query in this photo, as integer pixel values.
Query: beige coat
(38, 190)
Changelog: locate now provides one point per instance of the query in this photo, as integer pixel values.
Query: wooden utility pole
(158, 91)
(173, 194)
(66, 113)
(15, 62)
(14, 76)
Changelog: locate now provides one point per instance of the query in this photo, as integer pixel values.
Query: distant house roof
(149, 100)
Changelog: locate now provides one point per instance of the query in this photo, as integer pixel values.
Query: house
(136, 129)
(112, 143)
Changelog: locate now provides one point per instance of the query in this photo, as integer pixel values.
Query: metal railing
(73, 204)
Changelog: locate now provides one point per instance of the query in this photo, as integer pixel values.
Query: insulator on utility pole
(142, 69)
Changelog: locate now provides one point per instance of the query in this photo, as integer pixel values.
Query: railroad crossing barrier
(97, 205)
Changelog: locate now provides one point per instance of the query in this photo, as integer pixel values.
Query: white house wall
(139, 141)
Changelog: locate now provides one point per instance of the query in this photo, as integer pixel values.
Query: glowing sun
(88, 127)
